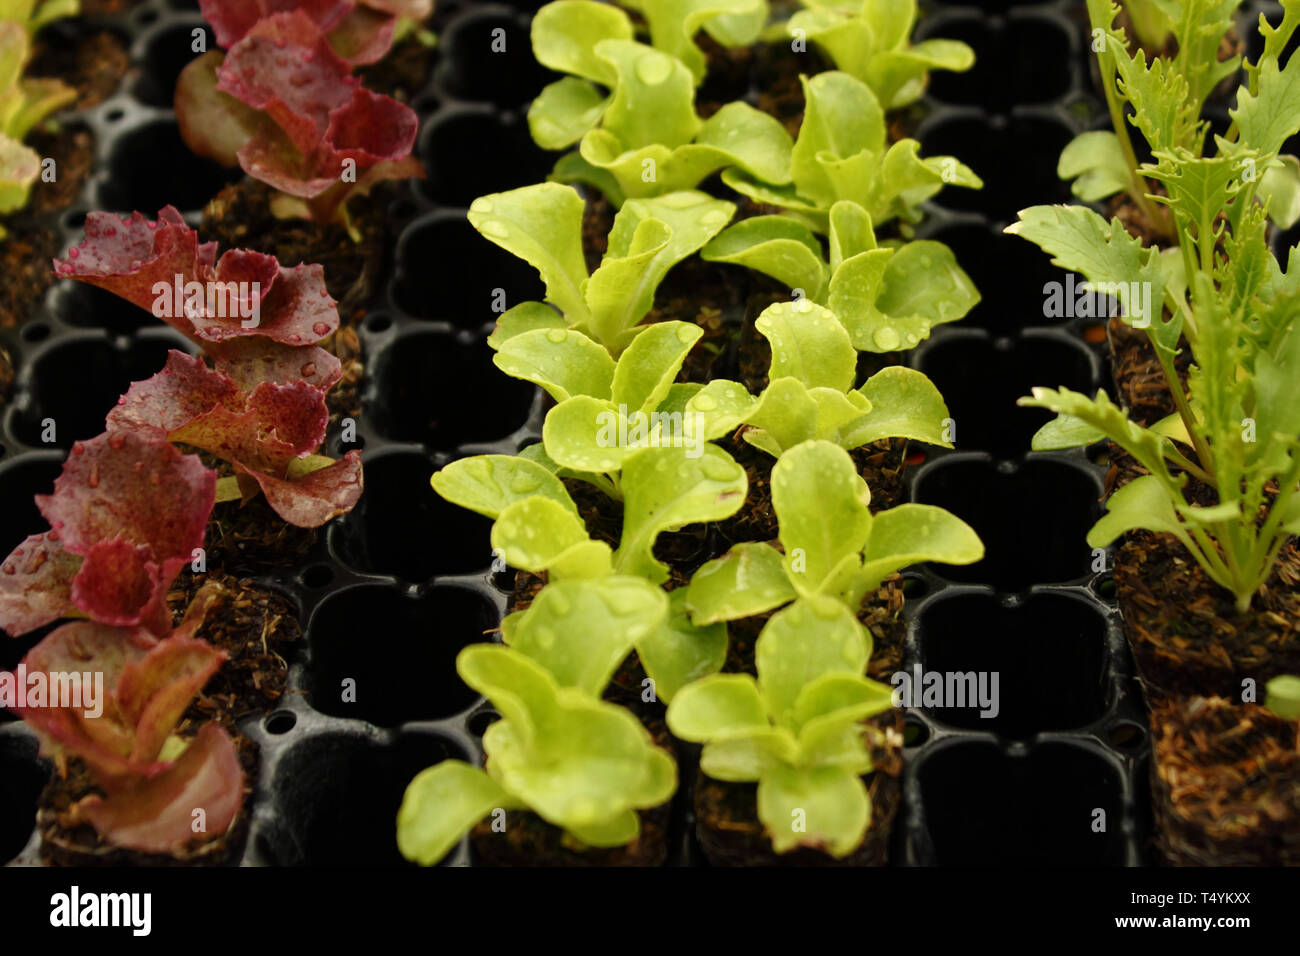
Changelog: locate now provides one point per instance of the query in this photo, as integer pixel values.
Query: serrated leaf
(1142, 503)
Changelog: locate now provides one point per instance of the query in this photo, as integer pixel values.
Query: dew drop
(8, 567)
(482, 204)
(321, 328)
(545, 638)
(560, 601)
(886, 339)
(495, 229)
(308, 370)
(653, 68)
(704, 403)
(74, 252)
(557, 335)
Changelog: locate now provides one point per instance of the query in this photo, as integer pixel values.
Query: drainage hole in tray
(1127, 735)
(281, 722)
(409, 670)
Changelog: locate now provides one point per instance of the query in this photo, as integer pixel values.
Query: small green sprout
(23, 104)
(871, 40)
(542, 224)
(32, 15)
(1282, 696)
(675, 23)
(888, 297)
(631, 107)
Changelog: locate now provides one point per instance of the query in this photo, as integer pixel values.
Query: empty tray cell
(1017, 62)
(402, 527)
(166, 53)
(85, 306)
(1012, 277)
(490, 59)
(448, 272)
(388, 658)
(151, 167)
(983, 808)
(433, 389)
(1049, 655)
(474, 150)
(76, 383)
(981, 379)
(22, 777)
(1016, 158)
(336, 796)
(21, 479)
(1032, 519)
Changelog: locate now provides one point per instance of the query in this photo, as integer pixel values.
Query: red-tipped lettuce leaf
(154, 691)
(36, 584)
(312, 499)
(156, 814)
(249, 362)
(231, 20)
(120, 584)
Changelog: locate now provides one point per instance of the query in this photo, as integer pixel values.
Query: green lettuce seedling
(579, 763)
(1164, 100)
(1237, 427)
(542, 224)
(810, 392)
(888, 297)
(1282, 696)
(795, 730)
(538, 529)
(31, 15)
(23, 104)
(675, 23)
(631, 108)
(833, 546)
(871, 39)
(842, 153)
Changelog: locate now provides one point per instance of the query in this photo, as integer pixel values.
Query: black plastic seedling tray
(392, 591)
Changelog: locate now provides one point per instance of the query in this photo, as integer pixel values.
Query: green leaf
(440, 805)
(831, 804)
(718, 706)
(582, 630)
(821, 504)
(747, 756)
(911, 533)
(1104, 416)
(808, 344)
(524, 317)
(19, 168)
(562, 362)
(899, 77)
(654, 96)
(539, 534)
(1282, 696)
(674, 24)
(489, 484)
(786, 250)
(786, 414)
(565, 34)
(1065, 431)
(851, 232)
(587, 434)
(647, 368)
(1198, 188)
(837, 693)
(1161, 99)
(665, 489)
(854, 288)
(678, 653)
(719, 407)
(904, 404)
(749, 579)
(1279, 188)
(841, 119)
(1096, 164)
(542, 225)
(750, 139)
(812, 637)
(564, 111)
(1143, 503)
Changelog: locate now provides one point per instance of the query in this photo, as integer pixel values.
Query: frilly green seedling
(871, 39)
(833, 546)
(1164, 100)
(31, 15)
(631, 108)
(542, 224)
(675, 23)
(842, 152)
(538, 529)
(1237, 427)
(796, 729)
(577, 762)
(888, 297)
(23, 104)
(810, 393)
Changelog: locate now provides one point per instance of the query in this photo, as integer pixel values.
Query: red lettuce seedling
(359, 33)
(268, 434)
(283, 105)
(126, 515)
(255, 333)
(153, 782)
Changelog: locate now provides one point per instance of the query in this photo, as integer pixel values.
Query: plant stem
(1185, 412)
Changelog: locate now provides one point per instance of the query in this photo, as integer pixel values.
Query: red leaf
(154, 690)
(133, 487)
(370, 128)
(249, 362)
(119, 583)
(363, 36)
(316, 497)
(36, 584)
(156, 815)
(232, 19)
(183, 390)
